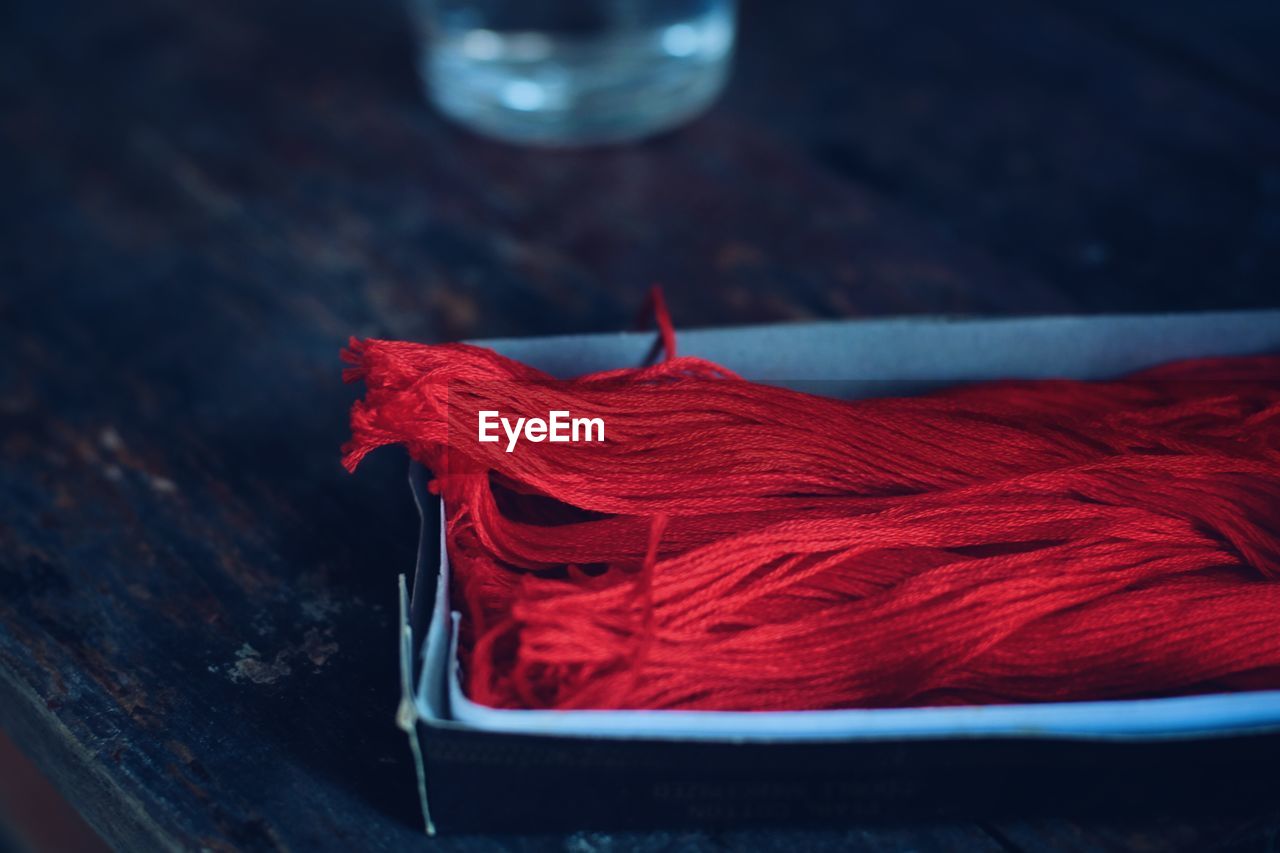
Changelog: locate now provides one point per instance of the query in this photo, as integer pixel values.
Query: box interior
(856, 359)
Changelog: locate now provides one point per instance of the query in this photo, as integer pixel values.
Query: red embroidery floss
(736, 546)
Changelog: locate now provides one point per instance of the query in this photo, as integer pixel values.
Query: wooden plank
(1140, 833)
(197, 622)
(1122, 178)
(1229, 45)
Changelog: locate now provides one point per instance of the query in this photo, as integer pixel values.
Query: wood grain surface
(202, 201)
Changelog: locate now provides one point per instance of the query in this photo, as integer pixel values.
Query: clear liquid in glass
(572, 72)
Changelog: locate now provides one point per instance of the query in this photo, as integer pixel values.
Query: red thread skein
(737, 546)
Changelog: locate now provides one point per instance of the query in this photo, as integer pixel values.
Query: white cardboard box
(849, 359)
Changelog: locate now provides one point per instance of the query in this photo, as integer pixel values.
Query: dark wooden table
(200, 202)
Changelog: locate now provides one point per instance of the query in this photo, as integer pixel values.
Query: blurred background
(199, 202)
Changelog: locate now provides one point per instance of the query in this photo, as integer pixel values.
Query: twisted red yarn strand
(732, 545)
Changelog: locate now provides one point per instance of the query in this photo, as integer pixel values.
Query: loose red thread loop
(655, 305)
(740, 546)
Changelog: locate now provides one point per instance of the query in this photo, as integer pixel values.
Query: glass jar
(573, 72)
